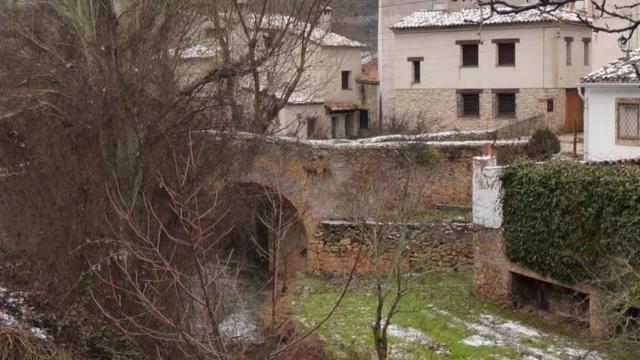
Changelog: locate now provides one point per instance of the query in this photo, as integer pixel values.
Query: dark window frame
(346, 80)
(416, 69)
(364, 119)
(469, 103)
(506, 103)
(470, 55)
(469, 52)
(550, 105)
(504, 59)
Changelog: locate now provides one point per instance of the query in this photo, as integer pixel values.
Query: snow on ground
(16, 312)
(491, 330)
(380, 142)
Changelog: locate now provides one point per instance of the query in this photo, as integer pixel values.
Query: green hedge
(565, 220)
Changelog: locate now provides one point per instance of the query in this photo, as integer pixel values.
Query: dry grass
(16, 344)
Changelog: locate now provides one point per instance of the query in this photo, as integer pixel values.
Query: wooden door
(574, 112)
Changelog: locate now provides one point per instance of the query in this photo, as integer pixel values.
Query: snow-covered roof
(331, 39)
(484, 15)
(622, 70)
(318, 35)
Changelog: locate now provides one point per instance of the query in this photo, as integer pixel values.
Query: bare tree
(617, 17)
(388, 236)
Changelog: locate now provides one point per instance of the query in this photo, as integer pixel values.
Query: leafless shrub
(16, 344)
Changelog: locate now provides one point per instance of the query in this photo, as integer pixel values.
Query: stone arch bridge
(340, 180)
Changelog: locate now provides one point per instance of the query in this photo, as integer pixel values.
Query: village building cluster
(452, 65)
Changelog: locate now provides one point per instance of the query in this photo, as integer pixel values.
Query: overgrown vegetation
(568, 221)
(16, 344)
(579, 224)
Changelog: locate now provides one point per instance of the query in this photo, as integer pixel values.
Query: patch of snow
(484, 15)
(360, 144)
(621, 70)
(519, 329)
(6, 319)
(477, 340)
(408, 334)
(15, 312)
(240, 326)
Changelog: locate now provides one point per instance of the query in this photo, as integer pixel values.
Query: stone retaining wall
(439, 245)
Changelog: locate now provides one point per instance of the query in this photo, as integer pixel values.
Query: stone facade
(438, 109)
(441, 245)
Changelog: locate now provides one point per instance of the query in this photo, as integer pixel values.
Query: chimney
(325, 19)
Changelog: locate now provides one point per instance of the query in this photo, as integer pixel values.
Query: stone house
(328, 102)
(450, 73)
(612, 110)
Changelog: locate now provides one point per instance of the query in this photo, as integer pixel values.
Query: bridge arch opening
(267, 232)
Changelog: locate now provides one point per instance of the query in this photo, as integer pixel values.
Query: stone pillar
(487, 208)
(491, 276)
(597, 314)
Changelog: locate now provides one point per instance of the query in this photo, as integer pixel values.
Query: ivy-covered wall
(568, 221)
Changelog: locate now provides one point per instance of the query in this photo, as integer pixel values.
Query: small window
(311, 127)
(568, 42)
(587, 51)
(346, 80)
(507, 54)
(549, 105)
(506, 104)
(364, 119)
(416, 71)
(470, 105)
(469, 55)
(628, 121)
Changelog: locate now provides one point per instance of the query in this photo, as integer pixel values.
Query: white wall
(487, 205)
(605, 45)
(599, 123)
(389, 13)
(540, 58)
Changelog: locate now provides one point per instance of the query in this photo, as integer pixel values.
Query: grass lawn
(440, 319)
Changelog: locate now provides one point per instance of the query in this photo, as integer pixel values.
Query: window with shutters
(506, 51)
(628, 119)
(469, 55)
(506, 104)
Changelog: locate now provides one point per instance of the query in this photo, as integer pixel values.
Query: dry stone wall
(437, 245)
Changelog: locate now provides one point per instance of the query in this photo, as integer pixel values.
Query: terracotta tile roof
(622, 70)
(633, 161)
(339, 107)
(476, 16)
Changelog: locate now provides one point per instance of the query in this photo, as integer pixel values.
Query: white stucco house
(471, 69)
(612, 110)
